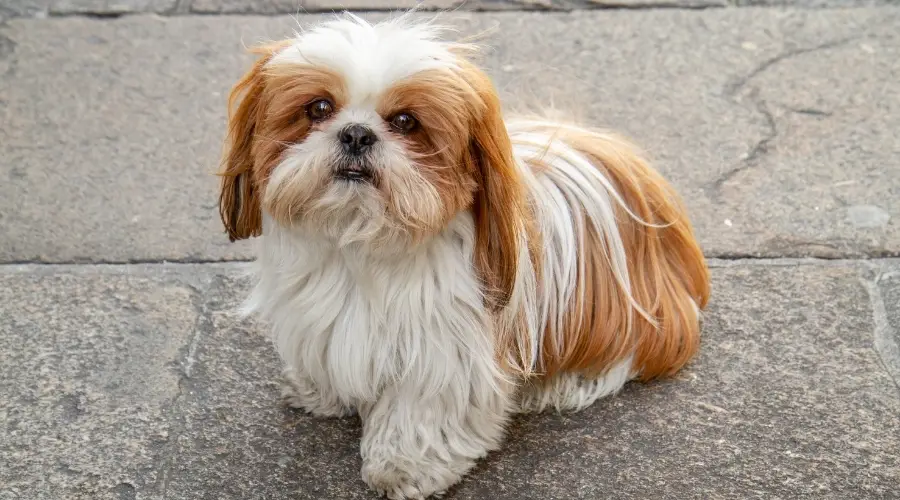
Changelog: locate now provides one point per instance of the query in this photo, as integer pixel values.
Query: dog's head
(372, 133)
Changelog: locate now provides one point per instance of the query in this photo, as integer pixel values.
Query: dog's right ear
(239, 198)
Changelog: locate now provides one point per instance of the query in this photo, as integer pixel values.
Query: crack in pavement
(203, 327)
(7, 49)
(883, 335)
(765, 144)
(735, 87)
(7, 46)
(808, 111)
(760, 149)
(180, 7)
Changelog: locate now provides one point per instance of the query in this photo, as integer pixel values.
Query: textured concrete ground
(125, 374)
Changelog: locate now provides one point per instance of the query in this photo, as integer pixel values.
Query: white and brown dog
(433, 267)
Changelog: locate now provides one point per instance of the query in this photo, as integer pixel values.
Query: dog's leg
(415, 445)
(299, 391)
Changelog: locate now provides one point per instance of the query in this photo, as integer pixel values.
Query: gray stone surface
(111, 7)
(109, 152)
(237, 440)
(122, 382)
(777, 126)
(90, 367)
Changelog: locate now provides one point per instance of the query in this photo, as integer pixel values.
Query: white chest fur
(354, 322)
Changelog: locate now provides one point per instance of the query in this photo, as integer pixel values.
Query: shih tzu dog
(435, 268)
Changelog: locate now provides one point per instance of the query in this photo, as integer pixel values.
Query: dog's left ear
(499, 206)
(239, 198)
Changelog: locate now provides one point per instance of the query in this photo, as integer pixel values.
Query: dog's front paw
(412, 481)
(299, 392)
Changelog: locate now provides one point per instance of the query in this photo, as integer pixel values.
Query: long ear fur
(499, 206)
(239, 199)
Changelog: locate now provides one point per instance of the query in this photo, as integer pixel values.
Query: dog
(433, 267)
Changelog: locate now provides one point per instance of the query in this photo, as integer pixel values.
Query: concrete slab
(776, 152)
(95, 135)
(90, 369)
(237, 440)
(140, 382)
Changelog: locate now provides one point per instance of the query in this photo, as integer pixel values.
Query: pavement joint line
(712, 262)
(186, 10)
(135, 262)
(189, 261)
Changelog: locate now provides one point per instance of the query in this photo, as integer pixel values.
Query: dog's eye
(404, 123)
(319, 109)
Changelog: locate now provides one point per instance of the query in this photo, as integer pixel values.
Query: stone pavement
(125, 374)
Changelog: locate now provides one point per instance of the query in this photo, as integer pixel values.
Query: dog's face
(374, 134)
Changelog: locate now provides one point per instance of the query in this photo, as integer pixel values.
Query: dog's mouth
(354, 173)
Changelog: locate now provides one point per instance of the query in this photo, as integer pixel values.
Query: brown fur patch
(438, 101)
(267, 113)
(667, 274)
(465, 152)
(502, 219)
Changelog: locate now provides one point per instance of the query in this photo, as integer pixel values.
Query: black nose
(357, 138)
